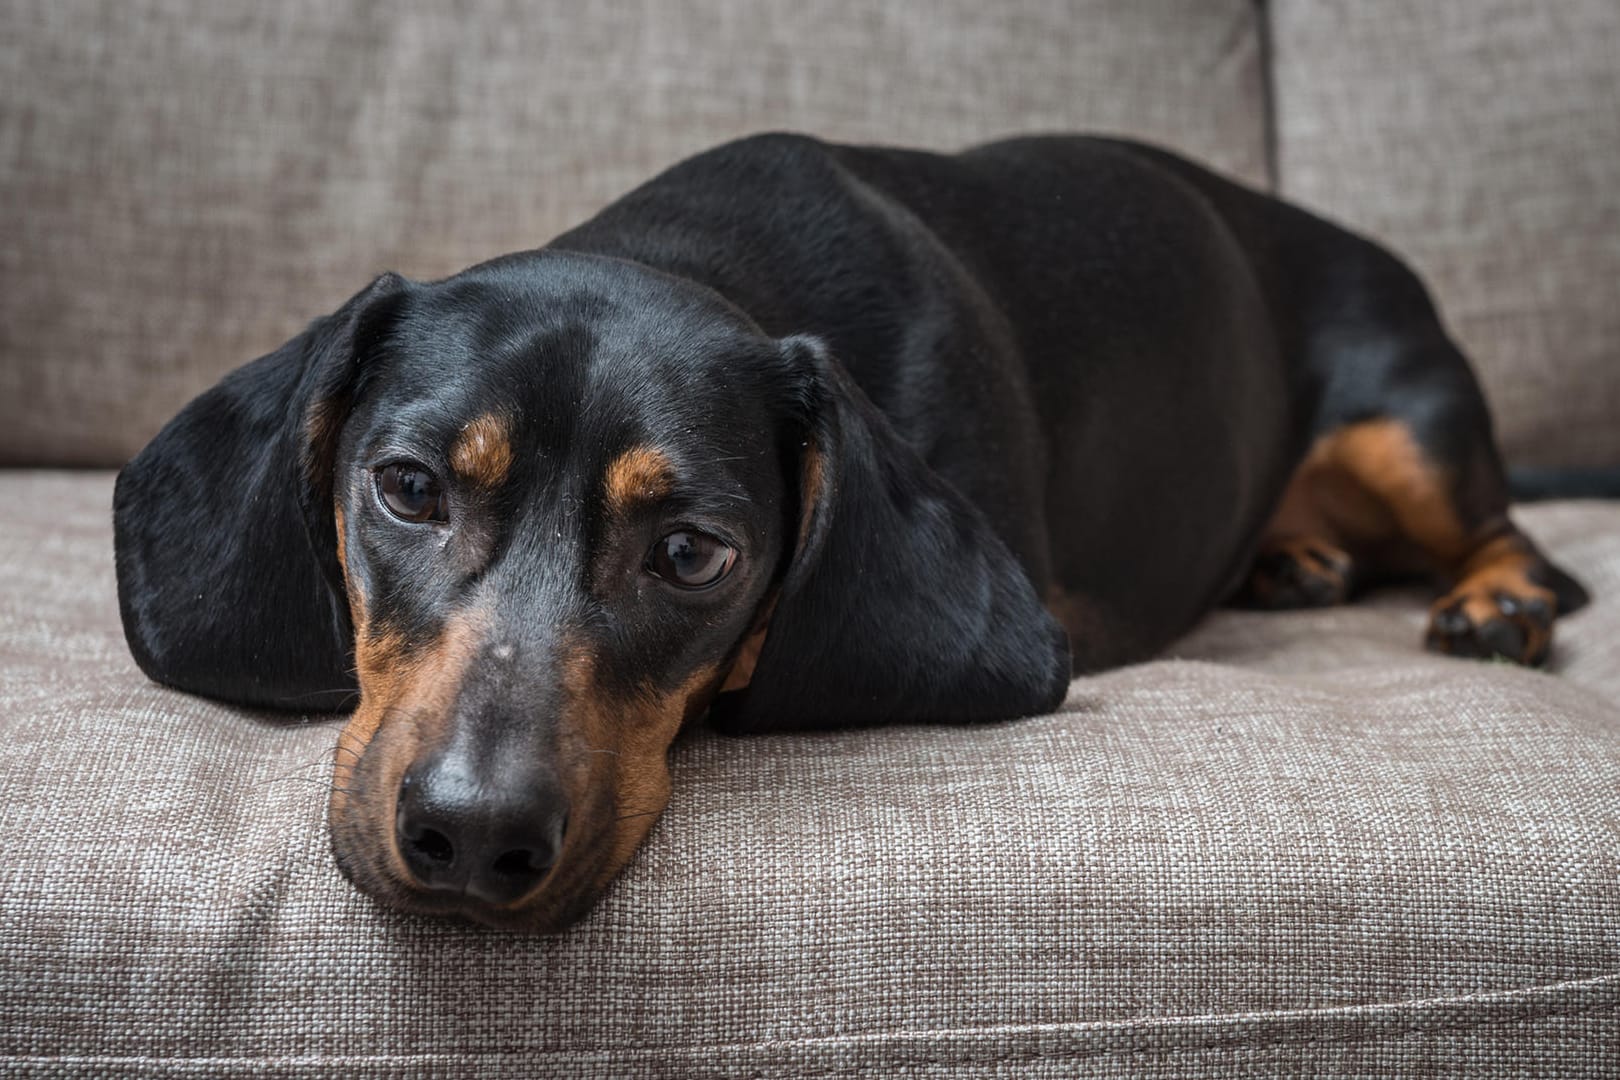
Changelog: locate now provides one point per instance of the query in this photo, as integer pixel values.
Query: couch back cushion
(183, 185)
(1480, 138)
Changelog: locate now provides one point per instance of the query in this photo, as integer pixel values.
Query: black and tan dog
(804, 435)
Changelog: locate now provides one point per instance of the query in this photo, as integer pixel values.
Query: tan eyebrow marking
(483, 452)
(640, 474)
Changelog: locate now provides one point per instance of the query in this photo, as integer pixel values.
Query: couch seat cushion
(1297, 843)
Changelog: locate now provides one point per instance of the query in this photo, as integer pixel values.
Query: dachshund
(799, 435)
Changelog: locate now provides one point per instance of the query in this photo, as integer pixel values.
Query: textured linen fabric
(1481, 139)
(184, 185)
(1297, 845)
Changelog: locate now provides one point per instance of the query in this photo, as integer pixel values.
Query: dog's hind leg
(1416, 485)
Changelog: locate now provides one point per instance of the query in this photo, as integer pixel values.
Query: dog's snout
(492, 840)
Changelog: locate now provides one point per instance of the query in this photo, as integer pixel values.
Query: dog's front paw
(1490, 621)
(1297, 573)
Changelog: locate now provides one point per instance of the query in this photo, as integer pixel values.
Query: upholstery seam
(920, 1039)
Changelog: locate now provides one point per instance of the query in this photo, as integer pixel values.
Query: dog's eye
(692, 560)
(411, 493)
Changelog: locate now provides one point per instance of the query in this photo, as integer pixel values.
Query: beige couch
(1296, 846)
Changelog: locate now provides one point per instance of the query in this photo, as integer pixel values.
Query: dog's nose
(494, 841)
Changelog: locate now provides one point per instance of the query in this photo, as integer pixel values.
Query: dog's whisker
(313, 763)
(324, 785)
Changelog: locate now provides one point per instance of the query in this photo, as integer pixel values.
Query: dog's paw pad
(1297, 574)
(1494, 624)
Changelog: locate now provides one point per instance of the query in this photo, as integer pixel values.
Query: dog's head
(537, 516)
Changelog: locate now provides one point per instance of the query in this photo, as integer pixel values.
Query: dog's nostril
(434, 845)
(521, 863)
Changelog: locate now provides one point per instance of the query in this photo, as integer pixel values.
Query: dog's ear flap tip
(1039, 690)
(1050, 683)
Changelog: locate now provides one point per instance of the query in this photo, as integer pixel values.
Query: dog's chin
(544, 915)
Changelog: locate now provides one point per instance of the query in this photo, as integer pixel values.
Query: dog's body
(841, 435)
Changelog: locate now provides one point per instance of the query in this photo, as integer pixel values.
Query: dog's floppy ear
(901, 603)
(226, 549)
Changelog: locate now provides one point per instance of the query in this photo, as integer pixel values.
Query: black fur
(1048, 366)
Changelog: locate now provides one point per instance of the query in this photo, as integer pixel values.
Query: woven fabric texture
(184, 185)
(1479, 138)
(1297, 845)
